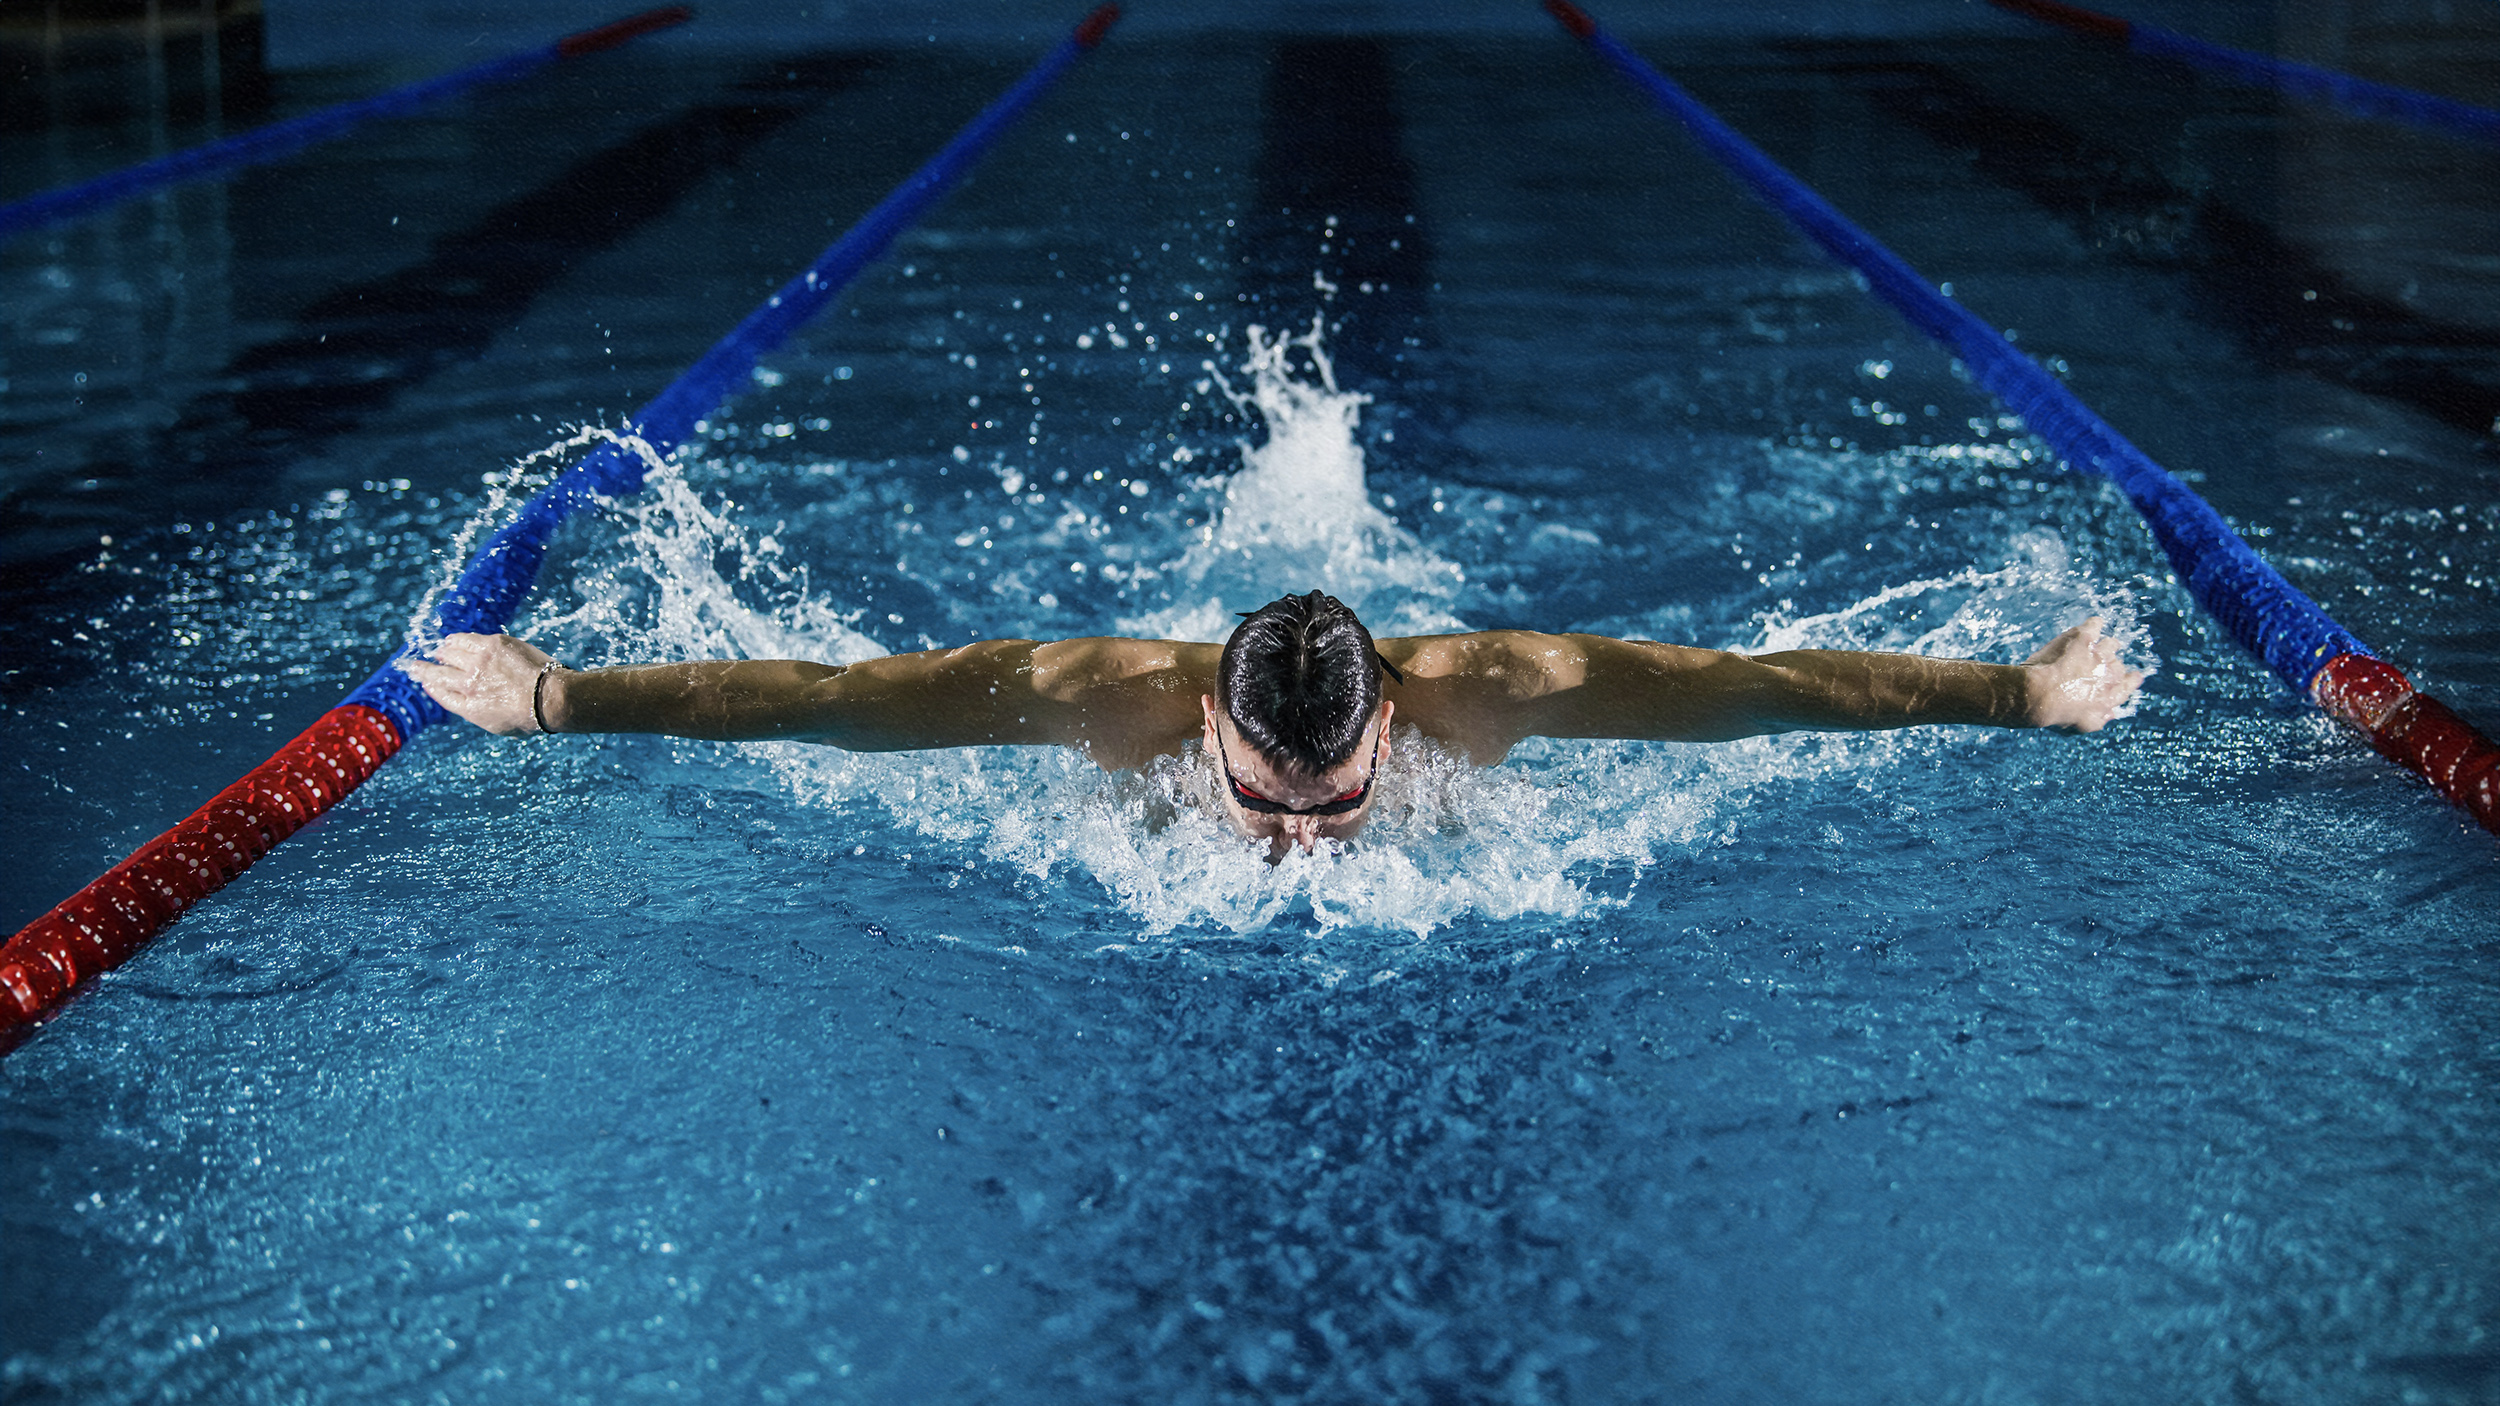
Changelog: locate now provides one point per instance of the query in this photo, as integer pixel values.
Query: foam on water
(1561, 829)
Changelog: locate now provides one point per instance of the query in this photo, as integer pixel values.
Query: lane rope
(103, 924)
(2299, 80)
(2252, 601)
(283, 139)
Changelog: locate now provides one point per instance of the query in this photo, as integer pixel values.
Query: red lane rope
(100, 926)
(608, 36)
(104, 923)
(2418, 733)
(2076, 18)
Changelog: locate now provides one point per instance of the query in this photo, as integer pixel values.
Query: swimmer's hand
(488, 679)
(2078, 682)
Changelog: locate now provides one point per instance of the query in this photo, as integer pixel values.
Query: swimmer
(1294, 709)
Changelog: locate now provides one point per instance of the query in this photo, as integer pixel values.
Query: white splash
(1298, 514)
(1562, 829)
(531, 472)
(2001, 615)
(687, 579)
(1446, 840)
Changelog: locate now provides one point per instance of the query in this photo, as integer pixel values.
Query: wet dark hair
(1301, 680)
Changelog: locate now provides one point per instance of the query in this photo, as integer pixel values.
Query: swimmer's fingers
(2094, 700)
(2078, 681)
(487, 679)
(2086, 636)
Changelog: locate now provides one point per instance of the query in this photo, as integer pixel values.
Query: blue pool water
(1946, 1066)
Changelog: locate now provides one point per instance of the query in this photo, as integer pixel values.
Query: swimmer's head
(1298, 687)
(1301, 681)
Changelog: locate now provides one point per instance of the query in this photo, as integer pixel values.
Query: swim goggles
(1252, 800)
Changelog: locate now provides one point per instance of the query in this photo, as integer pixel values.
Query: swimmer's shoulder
(1072, 669)
(1517, 664)
(1481, 692)
(1472, 692)
(1502, 661)
(1122, 701)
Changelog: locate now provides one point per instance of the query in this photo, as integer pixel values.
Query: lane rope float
(2252, 601)
(102, 925)
(2300, 80)
(283, 139)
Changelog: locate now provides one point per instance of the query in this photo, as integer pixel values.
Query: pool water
(1939, 1066)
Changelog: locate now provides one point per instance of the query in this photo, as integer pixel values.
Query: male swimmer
(1294, 708)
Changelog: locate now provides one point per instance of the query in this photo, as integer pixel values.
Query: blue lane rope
(2299, 80)
(281, 139)
(499, 575)
(107, 922)
(2264, 612)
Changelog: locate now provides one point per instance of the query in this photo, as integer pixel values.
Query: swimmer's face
(1293, 788)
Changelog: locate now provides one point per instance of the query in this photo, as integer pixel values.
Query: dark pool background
(1936, 1067)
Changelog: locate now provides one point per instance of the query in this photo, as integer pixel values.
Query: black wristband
(538, 697)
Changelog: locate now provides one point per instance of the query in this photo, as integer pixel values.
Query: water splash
(530, 473)
(1298, 514)
(689, 578)
(1563, 829)
(2000, 615)
(1447, 840)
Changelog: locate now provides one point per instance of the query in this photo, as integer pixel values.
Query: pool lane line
(2300, 80)
(351, 352)
(2286, 307)
(283, 139)
(2265, 613)
(104, 924)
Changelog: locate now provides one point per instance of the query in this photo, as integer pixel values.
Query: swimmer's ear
(1389, 668)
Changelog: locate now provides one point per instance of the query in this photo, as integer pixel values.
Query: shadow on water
(356, 350)
(2288, 308)
(1335, 201)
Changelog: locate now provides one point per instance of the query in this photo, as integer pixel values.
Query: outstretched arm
(1485, 692)
(1119, 701)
